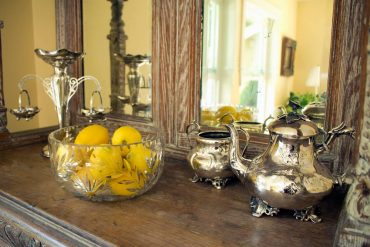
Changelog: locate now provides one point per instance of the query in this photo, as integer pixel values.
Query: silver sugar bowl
(209, 157)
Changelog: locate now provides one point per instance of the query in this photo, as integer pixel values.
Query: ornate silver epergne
(60, 86)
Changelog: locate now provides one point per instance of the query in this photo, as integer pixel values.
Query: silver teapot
(209, 157)
(288, 174)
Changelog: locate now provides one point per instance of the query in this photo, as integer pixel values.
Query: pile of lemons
(120, 168)
(226, 115)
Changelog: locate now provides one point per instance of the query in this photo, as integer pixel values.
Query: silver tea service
(288, 174)
(209, 157)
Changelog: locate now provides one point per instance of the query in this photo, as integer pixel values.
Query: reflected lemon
(226, 114)
(245, 115)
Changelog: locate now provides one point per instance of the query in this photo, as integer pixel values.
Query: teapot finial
(295, 106)
(295, 114)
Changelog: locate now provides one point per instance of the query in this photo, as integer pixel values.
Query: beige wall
(45, 38)
(309, 23)
(314, 22)
(27, 25)
(286, 25)
(96, 18)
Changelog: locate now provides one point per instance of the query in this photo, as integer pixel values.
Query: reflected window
(243, 57)
(236, 50)
(256, 47)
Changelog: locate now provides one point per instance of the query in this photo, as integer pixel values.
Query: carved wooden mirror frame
(177, 62)
(177, 65)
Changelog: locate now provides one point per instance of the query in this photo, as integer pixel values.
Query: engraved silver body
(287, 174)
(209, 158)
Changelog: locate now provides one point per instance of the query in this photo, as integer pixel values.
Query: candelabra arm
(25, 78)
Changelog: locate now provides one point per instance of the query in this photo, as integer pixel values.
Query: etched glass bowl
(106, 172)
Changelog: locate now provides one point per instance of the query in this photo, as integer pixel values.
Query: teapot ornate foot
(260, 207)
(218, 183)
(307, 214)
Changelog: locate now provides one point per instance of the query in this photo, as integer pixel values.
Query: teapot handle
(193, 126)
(265, 123)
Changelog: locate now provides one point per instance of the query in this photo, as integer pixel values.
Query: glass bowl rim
(158, 136)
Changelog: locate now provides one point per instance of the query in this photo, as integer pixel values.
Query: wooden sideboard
(36, 211)
(176, 212)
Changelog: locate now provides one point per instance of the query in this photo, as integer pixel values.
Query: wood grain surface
(69, 36)
(2, 104)
(354, 225)
(347, 75)
(175, 212)
(4, 133)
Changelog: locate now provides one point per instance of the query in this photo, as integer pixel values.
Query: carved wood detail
(117, 44)
(347, 75)
(13, 236)
(4, 133)
(176, 71)
(3, 121)
(69, 36)
(1, 71)
(354, 225)
(22, 224)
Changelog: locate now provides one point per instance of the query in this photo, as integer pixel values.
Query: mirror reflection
(34, 22)
(118, 45)
(259, 54)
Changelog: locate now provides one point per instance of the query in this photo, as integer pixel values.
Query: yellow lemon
(127, 184)
(139, 157)
(126, 135)
(68, 158)
(207, 115)
(126, 165)
(93, 135)
(245, 115)
(86, 182)
(226, 114)
(105, 162)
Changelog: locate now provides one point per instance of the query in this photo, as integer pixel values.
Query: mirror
(259, 54)
(27, 25)
(118, 48)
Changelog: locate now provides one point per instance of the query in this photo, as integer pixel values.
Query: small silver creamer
(209, 157)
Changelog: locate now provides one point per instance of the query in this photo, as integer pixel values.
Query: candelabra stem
(59, 85)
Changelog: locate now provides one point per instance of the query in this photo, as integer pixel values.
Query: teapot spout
(240, 165)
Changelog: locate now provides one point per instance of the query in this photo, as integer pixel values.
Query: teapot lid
(293, 125)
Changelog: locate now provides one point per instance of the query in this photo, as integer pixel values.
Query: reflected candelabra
(135, 81)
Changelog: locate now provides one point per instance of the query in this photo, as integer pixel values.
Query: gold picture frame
(287, 56)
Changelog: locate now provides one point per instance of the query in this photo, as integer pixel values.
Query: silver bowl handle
(193, 126)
